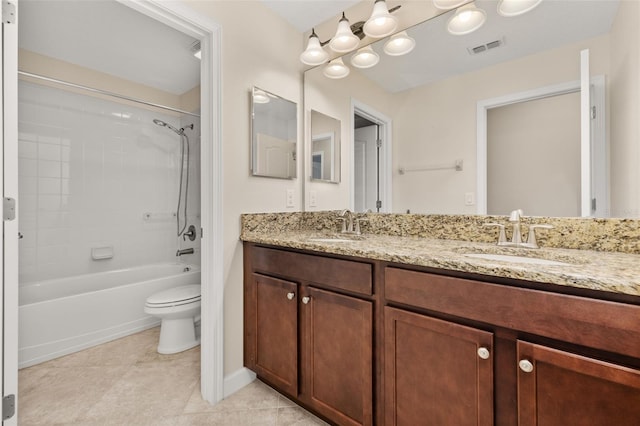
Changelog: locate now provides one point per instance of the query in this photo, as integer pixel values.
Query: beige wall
(624, 85)
(436, 123)
(261, 49)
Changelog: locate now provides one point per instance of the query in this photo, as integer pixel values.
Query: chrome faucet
(347, 221)
(184, 251)
(516, 238)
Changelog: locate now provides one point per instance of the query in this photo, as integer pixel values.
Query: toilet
(178, 308)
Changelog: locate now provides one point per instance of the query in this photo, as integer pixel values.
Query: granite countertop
(596, 270)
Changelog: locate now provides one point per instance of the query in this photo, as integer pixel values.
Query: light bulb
(336, 69)
(381, 23)
(466, 20)
(365, 58)
(399, 44)
(516, 7)
(314, 54)
(344, 40)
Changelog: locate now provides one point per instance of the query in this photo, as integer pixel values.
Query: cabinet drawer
(599, 324)
(346, 275)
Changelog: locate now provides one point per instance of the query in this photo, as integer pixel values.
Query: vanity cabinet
(436, 370)
(309, 330)
(554, 359)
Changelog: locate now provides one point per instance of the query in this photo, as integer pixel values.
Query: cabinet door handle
(291, 295)
(306, 299)
(525, 365)
(484, 353)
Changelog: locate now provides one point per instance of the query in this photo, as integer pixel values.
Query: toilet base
(177, 335)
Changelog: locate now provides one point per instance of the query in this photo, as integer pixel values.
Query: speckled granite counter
(617, 272)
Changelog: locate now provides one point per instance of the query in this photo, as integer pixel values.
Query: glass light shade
(365, 58)
(260, 97)
(336, 69)
(399, 44)
(381, 23)
(344, 40)
(314, 54)
(466, 20)
(448, 4)
(516, 7)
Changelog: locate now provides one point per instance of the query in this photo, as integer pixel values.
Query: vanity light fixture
(399, 44)
(381, 23)
(466, 20)
(448, 4)
(344, 40)
(314, 54)
(365, 58)
(336, 69)
(260, 97)
(516, 7)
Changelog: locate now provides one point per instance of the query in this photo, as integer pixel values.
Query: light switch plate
(290, 198)
(313, 199)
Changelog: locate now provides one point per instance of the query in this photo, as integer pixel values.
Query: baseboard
(237, 380)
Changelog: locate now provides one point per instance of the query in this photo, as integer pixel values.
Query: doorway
(371, 165)
(208, 33)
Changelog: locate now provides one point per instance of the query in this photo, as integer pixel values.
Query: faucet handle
(502, 237)
(357, 224)
(531, 239)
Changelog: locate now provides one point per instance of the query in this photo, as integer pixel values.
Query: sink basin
(330, 240)
(516, 259)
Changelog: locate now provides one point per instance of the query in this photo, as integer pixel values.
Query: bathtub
(61, 316)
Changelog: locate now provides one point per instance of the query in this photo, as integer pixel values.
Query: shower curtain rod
(104, 92)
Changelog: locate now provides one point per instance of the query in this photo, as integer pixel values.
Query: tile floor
(126, 382)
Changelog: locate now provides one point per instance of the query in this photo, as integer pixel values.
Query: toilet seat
(177, 296)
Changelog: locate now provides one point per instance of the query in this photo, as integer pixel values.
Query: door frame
(9, 184)
(386, 170)
(598, 162)
(188, 21)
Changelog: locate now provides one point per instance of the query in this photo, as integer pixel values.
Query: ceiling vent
(486, 46)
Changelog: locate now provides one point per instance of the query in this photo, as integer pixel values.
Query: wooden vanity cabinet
(533, 383)
(305, 336)
(436, 372)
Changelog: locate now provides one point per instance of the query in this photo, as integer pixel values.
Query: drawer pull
(291, 295)
(525, 365)
(483, 353)
(306, 299)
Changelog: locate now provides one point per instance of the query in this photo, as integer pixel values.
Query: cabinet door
(275, 342)
(337, 356)
(560, 388)
(436, 372)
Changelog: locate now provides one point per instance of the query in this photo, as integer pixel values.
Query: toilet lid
(183, 294)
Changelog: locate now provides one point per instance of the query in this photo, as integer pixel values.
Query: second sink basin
(516, 259)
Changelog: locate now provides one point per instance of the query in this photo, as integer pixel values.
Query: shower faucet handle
(191, 233)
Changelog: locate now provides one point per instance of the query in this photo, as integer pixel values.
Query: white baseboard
(237, 380)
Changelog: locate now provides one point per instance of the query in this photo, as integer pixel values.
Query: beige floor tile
(124, 351)
(256, 395)
(255, 417)
(147, 391)
(64, 395)
(297, 416)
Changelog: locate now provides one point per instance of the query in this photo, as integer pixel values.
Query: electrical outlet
(290, 198)
(469, 199)
(313, 199)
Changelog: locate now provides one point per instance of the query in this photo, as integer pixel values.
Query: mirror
(325, 148)
(432, 95)
(274, 129)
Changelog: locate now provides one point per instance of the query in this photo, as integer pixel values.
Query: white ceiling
(107, 36)
(112, 38)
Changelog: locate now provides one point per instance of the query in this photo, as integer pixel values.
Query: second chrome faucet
(516, 239)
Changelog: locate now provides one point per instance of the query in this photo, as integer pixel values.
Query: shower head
(163, 124)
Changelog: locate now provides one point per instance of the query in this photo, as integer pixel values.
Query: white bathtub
(61, 316)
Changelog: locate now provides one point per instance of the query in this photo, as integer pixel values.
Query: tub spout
(184, 251)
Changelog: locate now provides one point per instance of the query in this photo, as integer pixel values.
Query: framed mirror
(274, 131)
(325, 148)
(433, 94)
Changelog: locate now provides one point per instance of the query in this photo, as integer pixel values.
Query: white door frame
(9, 185)
(385, 171)
(188, 21)
(600, 192)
